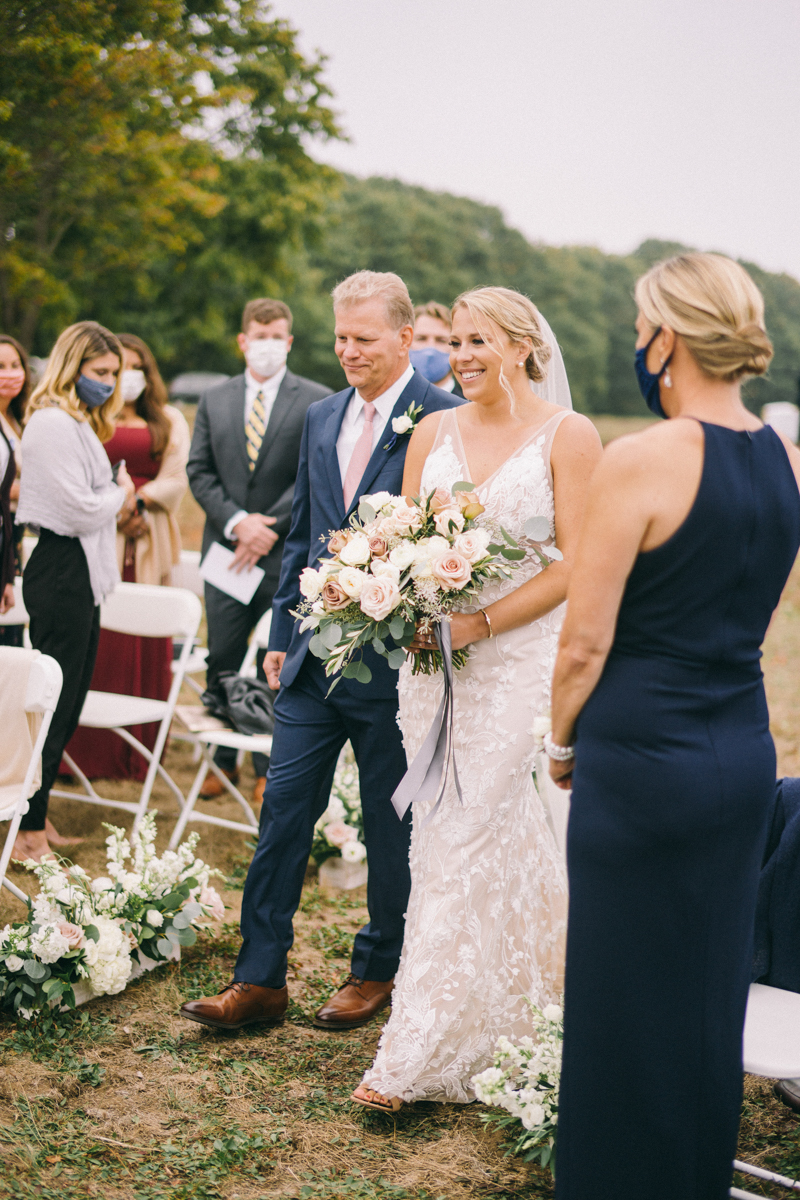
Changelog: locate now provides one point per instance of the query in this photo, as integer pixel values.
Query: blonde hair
(517, 316)
(714, 305)
(78, 344)
(371, 285)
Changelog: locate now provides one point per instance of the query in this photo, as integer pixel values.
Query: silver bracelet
(556, 752)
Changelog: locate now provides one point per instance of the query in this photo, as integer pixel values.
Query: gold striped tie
(255, 429)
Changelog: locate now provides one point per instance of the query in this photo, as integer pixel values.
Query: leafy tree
(119, 121)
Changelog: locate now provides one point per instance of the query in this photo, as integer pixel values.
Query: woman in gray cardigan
(67, 491)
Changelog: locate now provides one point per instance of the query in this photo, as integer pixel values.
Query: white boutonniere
(405, 423)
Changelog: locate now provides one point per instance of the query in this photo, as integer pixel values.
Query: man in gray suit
(242, 468)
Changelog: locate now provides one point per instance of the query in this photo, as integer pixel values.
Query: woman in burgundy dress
(152, 437)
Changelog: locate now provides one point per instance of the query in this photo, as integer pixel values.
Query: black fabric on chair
(246, 703)
(776, 951)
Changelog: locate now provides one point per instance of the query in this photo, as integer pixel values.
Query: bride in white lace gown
(487, 912)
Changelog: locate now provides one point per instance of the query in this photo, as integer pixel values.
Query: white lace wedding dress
(487, 913)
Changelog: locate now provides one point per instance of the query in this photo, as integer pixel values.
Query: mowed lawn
(126, 1101)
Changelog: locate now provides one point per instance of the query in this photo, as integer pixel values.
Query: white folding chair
(209, 739)
(41, 696)
(771, 1049)
(186, 574)
(144, 611)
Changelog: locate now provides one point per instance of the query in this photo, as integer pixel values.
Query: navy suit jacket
(318, 507)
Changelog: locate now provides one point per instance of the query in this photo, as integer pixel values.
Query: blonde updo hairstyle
(79, 344)
(713, 304)
(516, 315)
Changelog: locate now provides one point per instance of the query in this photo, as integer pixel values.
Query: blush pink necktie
(362, 453)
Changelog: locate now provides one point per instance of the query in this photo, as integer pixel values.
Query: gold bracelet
(488, 620)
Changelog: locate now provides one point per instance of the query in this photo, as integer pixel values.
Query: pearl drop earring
(667, 378)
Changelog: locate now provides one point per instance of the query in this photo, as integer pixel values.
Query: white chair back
(44, 685)
(186, 573)
(147, 611)
(259, 641)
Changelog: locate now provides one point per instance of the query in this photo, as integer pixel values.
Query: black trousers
(230, 624)
(65, 623)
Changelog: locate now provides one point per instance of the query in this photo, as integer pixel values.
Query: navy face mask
(648, 382)
(92, 392)
(432, 363)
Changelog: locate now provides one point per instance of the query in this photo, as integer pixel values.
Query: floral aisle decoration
(82, 930)
(522, 1086)
(403, 562)
(339, 833)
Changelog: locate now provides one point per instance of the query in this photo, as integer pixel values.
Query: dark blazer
(218, 468)
(319, 507)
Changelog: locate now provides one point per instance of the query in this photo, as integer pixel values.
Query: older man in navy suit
(349, 449)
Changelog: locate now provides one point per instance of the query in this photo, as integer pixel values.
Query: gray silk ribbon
(428, 773)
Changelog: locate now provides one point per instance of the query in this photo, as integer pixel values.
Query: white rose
(154, 918)
(354, 852)
(102, 884)
(446, 517)
(407, 516)
(310, 583)
(388, 569)
(357, 552)
(14, 962)
(402, 424)
(472, 545)
(541, 726)
(378, 500)
(352, 581)
(402, 556)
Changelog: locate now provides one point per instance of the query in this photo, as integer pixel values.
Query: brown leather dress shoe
(258, 791)
(355, 1003)
(788, 1090)
(237, 1005)
(212, 787)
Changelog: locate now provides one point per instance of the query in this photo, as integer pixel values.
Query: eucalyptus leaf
(538, 529)
(397, 627)
(512, 554)
(508, 537)
(92, 933)
(378, 646)
(366, 512)
(494, 548)
(396, 658)
(164, 947)
(358, 671)
(553, 552)
(187, 937)
(193, 910)
(462, 486)
(181, 921)
(35, 970)
(147, 933)
(330, 635)
(317, 646)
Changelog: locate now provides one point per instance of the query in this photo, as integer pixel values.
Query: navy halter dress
(674, 779)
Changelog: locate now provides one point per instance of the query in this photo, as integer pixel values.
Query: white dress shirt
(353, 422)
(269, 390)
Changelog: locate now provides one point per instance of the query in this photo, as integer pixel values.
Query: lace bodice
(487, 912)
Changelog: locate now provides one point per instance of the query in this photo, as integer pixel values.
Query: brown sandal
(392, 1105)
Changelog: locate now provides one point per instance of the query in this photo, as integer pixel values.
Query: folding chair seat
(144, 611)
(209, 739)
(41, 695)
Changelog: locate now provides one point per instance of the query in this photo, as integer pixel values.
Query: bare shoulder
(658, 445)
(576, 432)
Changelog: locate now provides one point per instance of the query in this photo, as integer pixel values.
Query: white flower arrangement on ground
(402, 562)
(83, 929)
(523, 1084)
(340, 829)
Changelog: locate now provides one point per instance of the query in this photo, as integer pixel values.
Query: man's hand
(254, 538)
(7, 599)
(273, 662)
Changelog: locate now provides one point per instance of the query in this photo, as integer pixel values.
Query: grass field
(125, 1101)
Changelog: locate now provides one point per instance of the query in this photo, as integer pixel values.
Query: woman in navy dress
(660, 722)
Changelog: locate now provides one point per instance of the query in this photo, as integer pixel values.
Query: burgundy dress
(133, 666)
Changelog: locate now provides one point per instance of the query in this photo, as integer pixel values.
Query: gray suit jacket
(218, 468)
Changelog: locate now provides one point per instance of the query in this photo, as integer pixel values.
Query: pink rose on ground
(379, 596)
(443, 520)
(452, 570)
(333, 596)
(338, 541)
(473, 544)
(72, 934)
(407, 516)
(378, 547)
(469, 504)
(439, 500)
(338, 834)
(211, 899)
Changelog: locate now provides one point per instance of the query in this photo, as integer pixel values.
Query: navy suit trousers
(310, 731)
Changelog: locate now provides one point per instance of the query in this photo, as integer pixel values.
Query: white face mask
(133, 384)
(265, 356)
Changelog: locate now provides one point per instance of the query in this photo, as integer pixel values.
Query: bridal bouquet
(523, 1084)
(404, 561)
(94, 929)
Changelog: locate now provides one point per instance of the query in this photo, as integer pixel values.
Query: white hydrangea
(48, 944)
(109, 958)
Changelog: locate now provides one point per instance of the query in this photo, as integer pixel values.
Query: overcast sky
(599, 122)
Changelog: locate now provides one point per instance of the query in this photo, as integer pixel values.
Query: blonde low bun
(713, 304)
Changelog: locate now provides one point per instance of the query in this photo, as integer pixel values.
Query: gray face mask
(92, 392)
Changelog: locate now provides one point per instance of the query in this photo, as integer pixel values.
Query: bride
(487, 912)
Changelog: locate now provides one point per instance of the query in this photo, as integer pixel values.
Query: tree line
(156, 174)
